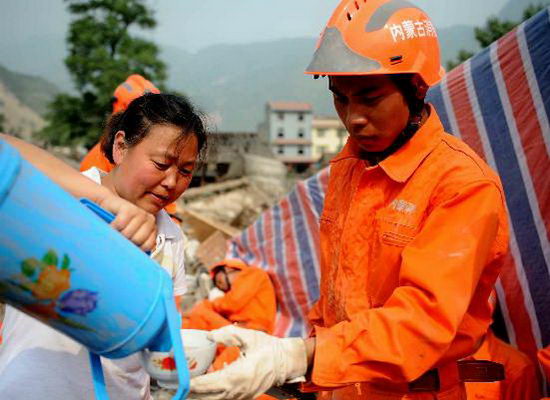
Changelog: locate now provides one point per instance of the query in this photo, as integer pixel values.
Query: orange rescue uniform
(96, 158)
(249, 303)
(410, 251)
(521, 381)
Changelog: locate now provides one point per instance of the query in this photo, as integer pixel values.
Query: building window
(300, 133)
(281, 150)
(281, 115)
(300, 149)
(342, 133)
(281, 132)
(300, 116)
(321, 132)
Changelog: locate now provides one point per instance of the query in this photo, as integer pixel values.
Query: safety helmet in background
(129, 90)
(378, 37)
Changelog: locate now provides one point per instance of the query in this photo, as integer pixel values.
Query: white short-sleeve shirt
(37, 362)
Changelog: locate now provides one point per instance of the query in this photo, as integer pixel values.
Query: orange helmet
(134, 87)
(378, 37)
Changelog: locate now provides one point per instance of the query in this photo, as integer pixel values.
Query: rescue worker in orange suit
(248, 301)
(412, 235)
(134, 87)
(520, 383)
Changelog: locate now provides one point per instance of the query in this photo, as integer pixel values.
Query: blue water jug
(63, 265)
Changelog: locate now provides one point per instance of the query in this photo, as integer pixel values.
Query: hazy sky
(194, 24)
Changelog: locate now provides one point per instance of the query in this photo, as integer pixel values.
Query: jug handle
(102, 213)
(97, 375)
(179, 354)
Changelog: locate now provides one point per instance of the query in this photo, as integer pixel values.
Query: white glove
(266, 361)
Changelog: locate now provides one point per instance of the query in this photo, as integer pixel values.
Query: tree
(102, 53)
(494, 29)
(2, 119)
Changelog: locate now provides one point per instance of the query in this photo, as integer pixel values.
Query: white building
(287, 130)
(328, 136)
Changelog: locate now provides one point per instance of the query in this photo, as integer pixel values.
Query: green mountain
(33, 91)
(233, 82)
(230, 82)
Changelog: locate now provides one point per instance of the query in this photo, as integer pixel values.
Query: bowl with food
(199, 354)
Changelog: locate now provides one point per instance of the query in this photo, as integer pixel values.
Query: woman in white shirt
(154, 145)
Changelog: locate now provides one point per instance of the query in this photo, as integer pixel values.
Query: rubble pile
(214, 213)
(211, 215)
(229, 207)
(236, 203)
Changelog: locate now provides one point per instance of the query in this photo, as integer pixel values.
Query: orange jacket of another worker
(410, 251)
(250, 302)
(520, 381)
(96, 158)
(251, 299)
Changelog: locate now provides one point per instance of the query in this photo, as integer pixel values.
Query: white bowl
(199, 353)
(199, 350)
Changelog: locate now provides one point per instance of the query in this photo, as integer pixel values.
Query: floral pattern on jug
(48, 282)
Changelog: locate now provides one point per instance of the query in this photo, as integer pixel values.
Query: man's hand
(136, 224)
(266, 361)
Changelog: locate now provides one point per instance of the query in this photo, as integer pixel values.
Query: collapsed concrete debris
(214, 213)
(230, 206)
(234, 203)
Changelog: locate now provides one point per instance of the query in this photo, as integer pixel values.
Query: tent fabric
(498, 102)
(285, 242)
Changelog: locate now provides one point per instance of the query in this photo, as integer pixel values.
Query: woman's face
(153, 174)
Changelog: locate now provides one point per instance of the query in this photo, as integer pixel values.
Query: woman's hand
(136, 224)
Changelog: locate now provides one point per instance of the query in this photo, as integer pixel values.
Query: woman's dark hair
(154, 109)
